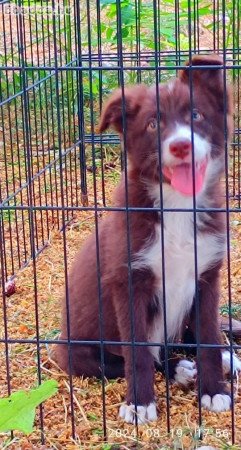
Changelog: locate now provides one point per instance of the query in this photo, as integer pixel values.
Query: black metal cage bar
(58, 64)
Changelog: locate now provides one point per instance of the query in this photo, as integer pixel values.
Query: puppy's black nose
(180, 148)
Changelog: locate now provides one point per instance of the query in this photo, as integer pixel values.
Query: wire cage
(58, 63)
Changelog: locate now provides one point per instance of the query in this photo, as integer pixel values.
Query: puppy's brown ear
(211, 77)
(113, 110)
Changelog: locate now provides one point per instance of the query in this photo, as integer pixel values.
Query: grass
(8, 216)
(235, 310)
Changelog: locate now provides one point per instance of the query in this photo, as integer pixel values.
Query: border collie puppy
(136, 306)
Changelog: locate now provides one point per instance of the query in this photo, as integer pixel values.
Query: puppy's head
(193, 110)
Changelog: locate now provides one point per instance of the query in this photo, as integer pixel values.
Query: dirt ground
(30, 306)
(48, 272)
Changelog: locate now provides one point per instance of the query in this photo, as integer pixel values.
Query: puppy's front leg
(215, 395)
(139, 363)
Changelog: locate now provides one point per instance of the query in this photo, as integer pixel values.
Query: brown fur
(83, 292)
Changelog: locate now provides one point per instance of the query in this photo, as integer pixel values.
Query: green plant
(18, 410)
(8, 215)
(138, 21)
(235, 310)
(138, 24)
(226, 21)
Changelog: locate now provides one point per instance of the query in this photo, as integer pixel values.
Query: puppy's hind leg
(82, 360)
(180, 369)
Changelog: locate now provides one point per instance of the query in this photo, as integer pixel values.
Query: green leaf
(125, 32)
(95, 88)
(128, 15)
(109, 32)
(92, 416)
(17, 411)
(204, 11)
(107, 2)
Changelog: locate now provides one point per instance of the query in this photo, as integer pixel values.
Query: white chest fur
(179, 268)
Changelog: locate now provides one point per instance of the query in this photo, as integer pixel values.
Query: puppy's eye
(152, 125)
(196, 115)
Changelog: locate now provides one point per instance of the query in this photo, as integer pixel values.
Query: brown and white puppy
(145, 288)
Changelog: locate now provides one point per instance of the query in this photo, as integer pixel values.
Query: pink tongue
(182, 179)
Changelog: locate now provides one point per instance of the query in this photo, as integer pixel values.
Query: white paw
(185, 372)
(144, 413)
(206, 447)
(227, 363)
(217, 403)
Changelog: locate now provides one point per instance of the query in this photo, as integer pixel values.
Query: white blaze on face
(180, 171)
(201, 146)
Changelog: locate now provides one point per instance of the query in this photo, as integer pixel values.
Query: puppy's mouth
(181, 177)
